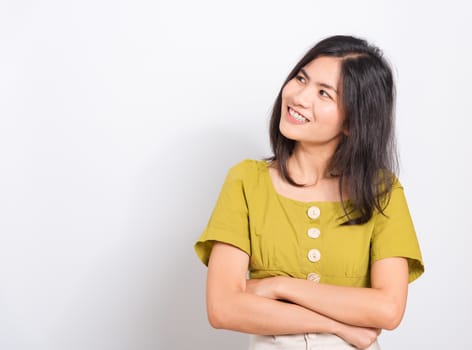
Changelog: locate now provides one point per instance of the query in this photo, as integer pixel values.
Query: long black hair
(365, 159)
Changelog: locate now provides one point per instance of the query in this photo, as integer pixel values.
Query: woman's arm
(381, 306)
(230, 306)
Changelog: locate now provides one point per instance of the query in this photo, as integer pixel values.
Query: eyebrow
(327, 86)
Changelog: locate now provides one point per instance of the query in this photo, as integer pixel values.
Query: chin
(289, 133)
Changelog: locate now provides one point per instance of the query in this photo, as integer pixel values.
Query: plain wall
(120, 119)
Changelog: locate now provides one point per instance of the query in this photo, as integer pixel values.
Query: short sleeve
(394, 234)
(229, 221)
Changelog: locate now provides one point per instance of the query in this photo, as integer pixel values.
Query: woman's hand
(264, 287)
(360, 337)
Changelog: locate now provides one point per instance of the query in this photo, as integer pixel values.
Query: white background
(119, 120)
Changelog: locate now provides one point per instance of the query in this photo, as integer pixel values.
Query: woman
(322, 227)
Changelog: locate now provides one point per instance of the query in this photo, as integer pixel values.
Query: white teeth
(297, 116)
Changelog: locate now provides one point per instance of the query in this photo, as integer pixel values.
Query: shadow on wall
(185, 183)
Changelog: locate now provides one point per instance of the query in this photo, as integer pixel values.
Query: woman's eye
(324, 93)
(300, 78)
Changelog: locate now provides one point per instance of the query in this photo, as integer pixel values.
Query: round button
(314, 255)
(313, 212)
(313, 277)
(313, 232)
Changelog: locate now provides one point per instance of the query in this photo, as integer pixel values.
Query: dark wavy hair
(365, 159)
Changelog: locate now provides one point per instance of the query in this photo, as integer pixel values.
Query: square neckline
(270, 182)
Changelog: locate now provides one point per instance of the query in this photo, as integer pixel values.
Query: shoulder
(247, 169)
(396, 186)
(388, 187)
(394, 202)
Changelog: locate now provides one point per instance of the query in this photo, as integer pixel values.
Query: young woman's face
(311, 112)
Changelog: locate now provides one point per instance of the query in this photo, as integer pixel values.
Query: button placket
(314, 255)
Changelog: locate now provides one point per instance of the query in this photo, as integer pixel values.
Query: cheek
(284, 94)
(285, 98)
(329, 111)
(332, 115)
(288, 89)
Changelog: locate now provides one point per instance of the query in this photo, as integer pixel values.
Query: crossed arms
(259, 306)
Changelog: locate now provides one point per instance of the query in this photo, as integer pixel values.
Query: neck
(309, 166)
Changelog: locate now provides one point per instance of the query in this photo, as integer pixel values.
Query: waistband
(307, 341)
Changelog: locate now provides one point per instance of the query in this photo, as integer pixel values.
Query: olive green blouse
(286, 237)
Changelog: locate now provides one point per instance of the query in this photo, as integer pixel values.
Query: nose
(304, 97)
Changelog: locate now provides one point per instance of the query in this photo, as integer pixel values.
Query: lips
(296, 117)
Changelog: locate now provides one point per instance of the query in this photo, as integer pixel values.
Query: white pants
(309, 341)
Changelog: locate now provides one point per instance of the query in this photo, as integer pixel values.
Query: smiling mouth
(297, 116)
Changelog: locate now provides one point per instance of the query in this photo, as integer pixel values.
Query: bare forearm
(249, 313)
(381, 306)
(232, 304)
(365, 307)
